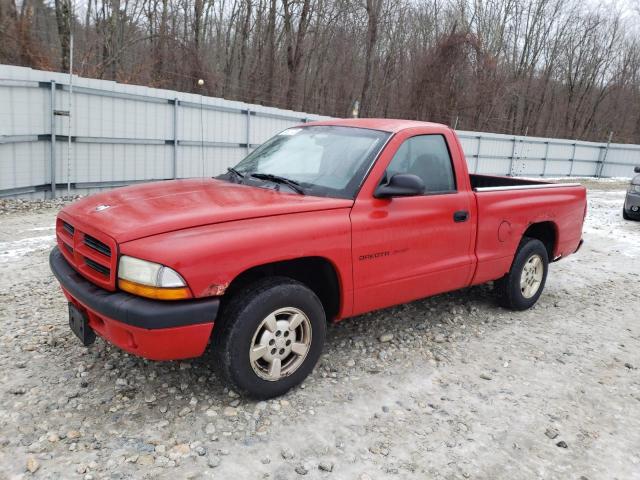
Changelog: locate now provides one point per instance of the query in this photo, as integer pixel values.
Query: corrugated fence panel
(126, 133)
(494, 156)
(113, 162)
(23, 164)
(558, 159)
(19, 117)
(618, 158)
(210, 161)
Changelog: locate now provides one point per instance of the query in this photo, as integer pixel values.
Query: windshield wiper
(278, 179)
(238, 175)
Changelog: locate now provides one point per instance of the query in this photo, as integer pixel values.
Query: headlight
(634, 188)
(151, 280)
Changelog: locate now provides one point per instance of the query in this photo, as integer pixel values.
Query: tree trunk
(295, 48)
(373, 16)
(160, 45)
(198, 9)
(271, 49)
(244, 41)
(63, 21)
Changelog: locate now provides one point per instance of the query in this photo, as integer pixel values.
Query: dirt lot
(463, 389)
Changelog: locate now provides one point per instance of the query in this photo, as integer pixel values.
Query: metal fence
(122, 134)
(516, 155)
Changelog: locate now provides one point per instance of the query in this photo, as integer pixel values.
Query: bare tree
(295, 41)
(63, 20)
(373, 8)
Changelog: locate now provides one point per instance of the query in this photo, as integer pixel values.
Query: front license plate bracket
(79, 324)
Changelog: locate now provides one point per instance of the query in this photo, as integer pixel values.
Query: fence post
(545, 159)
(175, 138)
(248, 131)
(573, 158)
(604, 158)
(52, 157)
(513, 154)
(475, 169)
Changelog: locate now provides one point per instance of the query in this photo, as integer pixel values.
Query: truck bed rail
(525, 187)
(495, 183)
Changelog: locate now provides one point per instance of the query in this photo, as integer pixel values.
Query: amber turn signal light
(156, 293)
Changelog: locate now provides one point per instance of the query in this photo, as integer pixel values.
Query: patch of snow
(40, 229)
(19, 248)
(604, 219)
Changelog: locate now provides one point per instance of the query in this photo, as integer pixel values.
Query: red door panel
(409, 248)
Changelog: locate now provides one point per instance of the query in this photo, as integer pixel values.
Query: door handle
(461, 216)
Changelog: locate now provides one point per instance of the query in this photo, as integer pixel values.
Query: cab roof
(384, 124)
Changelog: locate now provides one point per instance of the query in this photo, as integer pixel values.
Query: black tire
(510, 294)
(234, 331)
(625, 215)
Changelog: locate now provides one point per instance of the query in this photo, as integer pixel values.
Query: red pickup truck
(322, 222)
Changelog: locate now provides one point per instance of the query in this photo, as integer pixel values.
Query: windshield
(322, 160)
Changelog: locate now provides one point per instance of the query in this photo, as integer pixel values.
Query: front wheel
(625, 215)
(270, 337)
(522, 286)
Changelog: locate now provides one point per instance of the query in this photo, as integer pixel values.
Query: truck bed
(482, 183)
(506, 207)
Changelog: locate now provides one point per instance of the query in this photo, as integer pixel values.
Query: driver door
(405, 248)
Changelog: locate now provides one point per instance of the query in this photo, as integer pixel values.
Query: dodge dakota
(322, 222)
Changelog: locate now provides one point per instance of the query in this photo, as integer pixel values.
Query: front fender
(210, 257)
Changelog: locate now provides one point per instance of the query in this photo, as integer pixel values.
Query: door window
(426, 156)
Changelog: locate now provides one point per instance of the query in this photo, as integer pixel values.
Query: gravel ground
(449, 387)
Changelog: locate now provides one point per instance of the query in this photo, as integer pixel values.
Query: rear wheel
(522, 286)
(269, 337)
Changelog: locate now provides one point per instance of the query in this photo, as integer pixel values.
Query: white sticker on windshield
(290, 131)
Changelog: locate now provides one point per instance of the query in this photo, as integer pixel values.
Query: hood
(142, 210)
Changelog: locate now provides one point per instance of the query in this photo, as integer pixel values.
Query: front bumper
(632, 204)
(154, 329)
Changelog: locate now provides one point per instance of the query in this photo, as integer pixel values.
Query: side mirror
(637, 169)
(400, 185)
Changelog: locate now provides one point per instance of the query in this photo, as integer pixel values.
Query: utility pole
(606, 152)
(70, 117)
(355, 111)
(201, 84)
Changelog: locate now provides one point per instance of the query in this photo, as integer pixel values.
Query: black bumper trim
(130, 309)
(632, 214)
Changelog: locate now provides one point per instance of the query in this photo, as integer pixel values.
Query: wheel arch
(547, 233)
(318, 273)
